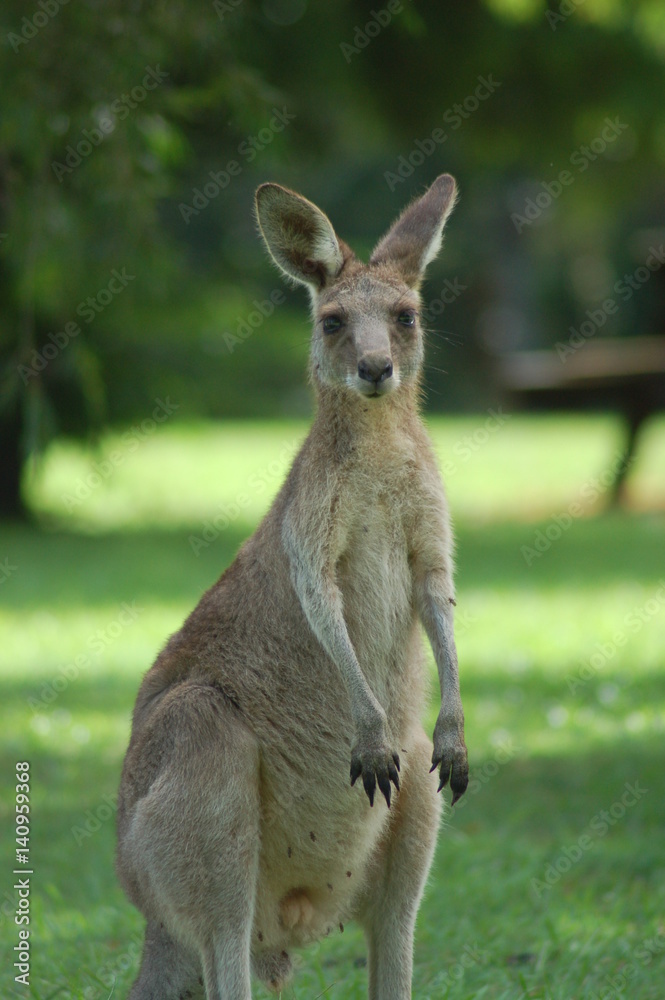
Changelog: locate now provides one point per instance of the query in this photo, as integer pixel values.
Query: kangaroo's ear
(415, 239)
(299, 237)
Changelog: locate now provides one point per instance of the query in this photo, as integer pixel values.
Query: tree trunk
(11, 465)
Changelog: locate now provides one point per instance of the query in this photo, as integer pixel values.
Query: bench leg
(635, 421)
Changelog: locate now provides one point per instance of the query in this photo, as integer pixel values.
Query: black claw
(444, 774)
(396, 760)
(459, 780)
(369, 781)
(356, 771)
(384, 785)
(394, 777)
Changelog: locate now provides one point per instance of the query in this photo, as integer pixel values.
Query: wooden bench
(624, 375)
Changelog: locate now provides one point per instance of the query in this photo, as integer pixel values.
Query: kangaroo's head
(367, 337)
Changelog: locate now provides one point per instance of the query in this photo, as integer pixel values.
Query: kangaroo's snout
(375, 368)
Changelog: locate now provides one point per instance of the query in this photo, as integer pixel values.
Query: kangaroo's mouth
(374, 390)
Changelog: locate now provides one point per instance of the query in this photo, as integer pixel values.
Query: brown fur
(240, 834)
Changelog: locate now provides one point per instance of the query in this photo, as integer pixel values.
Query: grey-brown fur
(240, 832)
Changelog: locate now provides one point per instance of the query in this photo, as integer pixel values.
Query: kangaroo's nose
(375, 368)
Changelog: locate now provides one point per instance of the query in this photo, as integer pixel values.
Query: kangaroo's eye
(331, 324)
(407, 318)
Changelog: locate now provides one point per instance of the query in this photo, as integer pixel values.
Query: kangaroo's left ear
(299, 237)
(415, 239)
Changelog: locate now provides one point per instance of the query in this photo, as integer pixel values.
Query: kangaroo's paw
(377, 765)
(450, 755)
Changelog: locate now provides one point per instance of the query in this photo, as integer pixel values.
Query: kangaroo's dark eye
(407, 318)
(331, 324)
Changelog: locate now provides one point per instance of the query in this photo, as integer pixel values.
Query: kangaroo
(243, 830)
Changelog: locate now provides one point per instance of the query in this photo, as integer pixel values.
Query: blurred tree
(132, 135)
(98, 100)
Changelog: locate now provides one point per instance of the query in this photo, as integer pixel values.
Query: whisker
(296, 347)
(448, 335)
(427, 388)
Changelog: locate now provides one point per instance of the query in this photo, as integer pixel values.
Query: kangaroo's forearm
(436, 613)
(436, 601)
(322, 605)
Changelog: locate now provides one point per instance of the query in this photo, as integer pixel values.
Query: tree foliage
(118, 120)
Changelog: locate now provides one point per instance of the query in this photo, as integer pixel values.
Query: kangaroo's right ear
(414, 240)
(299, 237)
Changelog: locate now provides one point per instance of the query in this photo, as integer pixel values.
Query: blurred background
(153, 394)
(359, 108)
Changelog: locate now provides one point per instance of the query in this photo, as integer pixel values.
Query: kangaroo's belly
(313, 867)
(319, 837)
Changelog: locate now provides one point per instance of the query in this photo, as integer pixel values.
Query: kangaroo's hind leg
(189, 837)
(168, 970)
(397, 879)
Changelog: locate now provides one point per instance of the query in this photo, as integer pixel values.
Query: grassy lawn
(549, 879)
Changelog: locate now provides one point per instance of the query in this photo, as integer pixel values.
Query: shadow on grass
(604, 550)
(514, 825)
(527, 808)
(58, 569)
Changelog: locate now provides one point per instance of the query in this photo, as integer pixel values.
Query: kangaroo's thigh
(188, 846)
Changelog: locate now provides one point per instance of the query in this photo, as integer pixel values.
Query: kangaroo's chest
(374, 575)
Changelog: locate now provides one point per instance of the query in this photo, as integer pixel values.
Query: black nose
(375, 369)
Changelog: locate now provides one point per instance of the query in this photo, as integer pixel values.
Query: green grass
(556, 727)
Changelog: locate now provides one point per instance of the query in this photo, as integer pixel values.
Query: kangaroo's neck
(350, 423)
